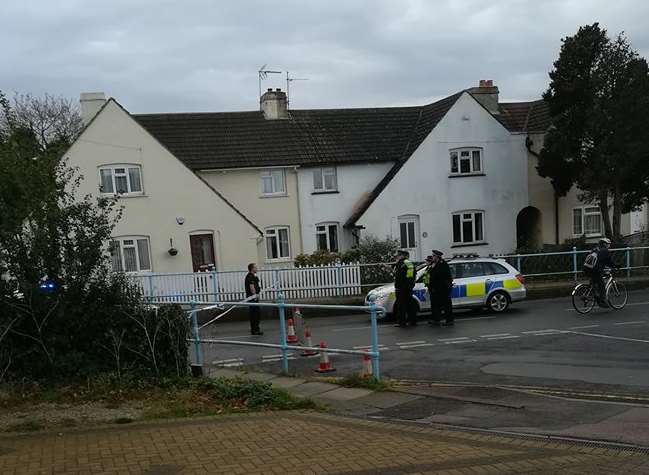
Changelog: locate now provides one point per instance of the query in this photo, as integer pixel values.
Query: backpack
(590, 262)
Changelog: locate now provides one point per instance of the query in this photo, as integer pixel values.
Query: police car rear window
(495, 269)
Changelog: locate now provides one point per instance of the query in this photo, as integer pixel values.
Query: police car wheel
(498, 302)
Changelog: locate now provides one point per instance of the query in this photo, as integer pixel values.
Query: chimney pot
(270, 89)
(278, 89)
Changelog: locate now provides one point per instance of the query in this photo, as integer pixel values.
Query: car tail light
(520, 278)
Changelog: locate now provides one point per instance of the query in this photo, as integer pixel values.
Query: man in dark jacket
(439, 282)
(253, 288)
(604, 261)
(404, 283)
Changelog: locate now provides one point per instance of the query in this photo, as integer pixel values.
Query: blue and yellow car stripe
(472, 289)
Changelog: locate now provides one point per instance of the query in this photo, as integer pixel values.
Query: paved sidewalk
(298, 443)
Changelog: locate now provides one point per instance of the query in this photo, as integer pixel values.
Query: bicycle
(616, 295)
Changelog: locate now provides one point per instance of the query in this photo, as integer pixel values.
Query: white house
(226, 188)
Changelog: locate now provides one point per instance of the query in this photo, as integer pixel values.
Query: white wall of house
(170, 191)
(423, 187)
(243, 187)
(354, 182)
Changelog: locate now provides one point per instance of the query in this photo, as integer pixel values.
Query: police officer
(404, 283)
(439, 282)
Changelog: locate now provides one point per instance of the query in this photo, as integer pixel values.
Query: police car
(478, 282)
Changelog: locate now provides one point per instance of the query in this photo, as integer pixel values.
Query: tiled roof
(307, 137)
(528, 117)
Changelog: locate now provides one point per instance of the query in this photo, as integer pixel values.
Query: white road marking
(551, 331)
(494, 335)
(419, 345)
(633, 304)
(459, 341)
(400, 343)
(504, 337)
(351, 329)
(453, 339)
(232, 365)
(609, 337)
(630, 323)
(232, 337)
(275, 360)
(583, 327)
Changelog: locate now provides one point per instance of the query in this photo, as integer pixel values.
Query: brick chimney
(90, 103)
(487, 95)
(274, 105)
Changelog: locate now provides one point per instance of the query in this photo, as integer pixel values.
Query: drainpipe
(299, 209)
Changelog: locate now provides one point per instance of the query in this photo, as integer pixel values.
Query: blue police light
(47, 286)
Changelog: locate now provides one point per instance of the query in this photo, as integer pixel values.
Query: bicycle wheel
(616, 295)
(583, 299)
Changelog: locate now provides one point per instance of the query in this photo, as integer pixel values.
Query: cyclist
(598, 260)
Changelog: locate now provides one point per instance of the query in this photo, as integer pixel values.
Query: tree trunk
(617, 214)
(606, 217)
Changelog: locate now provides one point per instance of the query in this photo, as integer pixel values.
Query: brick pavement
(296, 442)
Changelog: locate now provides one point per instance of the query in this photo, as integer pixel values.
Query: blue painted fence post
(376, 371)
(197, 344)
(574, 263)
(628, 262)
(282, 332)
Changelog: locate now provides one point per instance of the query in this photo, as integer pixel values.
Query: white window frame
(327, 233)
(320, 179)
(274, 232)
(127, 167)
(587, 211)
(273, 174)
(464, 217)
(471, 159)
(131, 242)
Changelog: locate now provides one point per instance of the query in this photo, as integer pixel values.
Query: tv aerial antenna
(289, 80)
(263, 74)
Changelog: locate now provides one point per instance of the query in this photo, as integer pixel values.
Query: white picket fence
(294, 284)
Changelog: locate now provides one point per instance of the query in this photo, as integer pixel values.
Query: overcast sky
(202, 55)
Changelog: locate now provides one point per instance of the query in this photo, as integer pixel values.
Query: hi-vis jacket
(404, 275)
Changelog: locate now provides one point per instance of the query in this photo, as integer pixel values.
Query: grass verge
(30, 407)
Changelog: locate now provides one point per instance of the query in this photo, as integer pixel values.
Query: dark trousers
(404, 308)
(597, 282)
(440, 301)
(254, 313)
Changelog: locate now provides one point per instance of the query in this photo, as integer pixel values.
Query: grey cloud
(203, 55)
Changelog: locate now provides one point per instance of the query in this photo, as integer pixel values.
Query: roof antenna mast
(263, 74)
(289, 80)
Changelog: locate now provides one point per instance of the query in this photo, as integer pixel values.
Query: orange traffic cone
(291, 337)
(325, 364)
(309, 343)
(366, 372)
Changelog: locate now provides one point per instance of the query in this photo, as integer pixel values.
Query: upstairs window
(273, 182)
(327, 237)
(324, 179)
(130, 254)
(468, 227)
(466, 161)
(587, 221)
(120, 179)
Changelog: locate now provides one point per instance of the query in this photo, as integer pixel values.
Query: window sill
(482, 243)
(277, 195)
(123, 195)
(279, 260)
(327, 192)
(465, 175)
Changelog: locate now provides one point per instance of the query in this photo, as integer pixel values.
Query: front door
(409, 235)
(202, 246)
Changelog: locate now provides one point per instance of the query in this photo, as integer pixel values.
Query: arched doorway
(529, 233)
